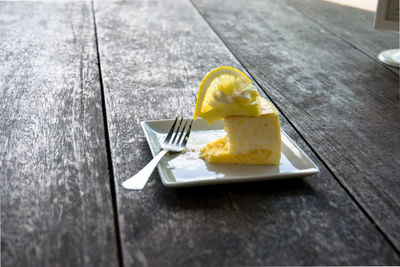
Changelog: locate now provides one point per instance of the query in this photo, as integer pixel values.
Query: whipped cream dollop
(248, 94)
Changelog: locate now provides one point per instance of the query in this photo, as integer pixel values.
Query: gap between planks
(108, 147)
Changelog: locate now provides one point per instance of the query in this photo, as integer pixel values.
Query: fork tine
(177, 131)
(171, 131)
(187, 134)
(181, 134)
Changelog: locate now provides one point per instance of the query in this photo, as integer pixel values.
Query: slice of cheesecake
(249, 140)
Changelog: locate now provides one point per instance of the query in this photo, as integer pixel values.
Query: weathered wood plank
(344, 103)
(153, 55)
(56, 207)
(359, 32)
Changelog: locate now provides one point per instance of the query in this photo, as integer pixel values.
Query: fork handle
(139, 180)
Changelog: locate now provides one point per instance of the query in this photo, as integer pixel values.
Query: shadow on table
(213, 196)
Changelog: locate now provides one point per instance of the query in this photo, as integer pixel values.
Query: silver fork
(174, 142)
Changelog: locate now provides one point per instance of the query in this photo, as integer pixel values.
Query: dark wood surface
(343, 103)
(56, 207)
(77, 79)
(352, 25)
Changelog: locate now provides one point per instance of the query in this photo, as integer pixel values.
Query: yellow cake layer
(217, 152)
(249, 140)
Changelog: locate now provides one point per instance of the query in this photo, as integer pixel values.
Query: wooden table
(78, 77)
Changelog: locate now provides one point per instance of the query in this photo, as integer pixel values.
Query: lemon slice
(226, 91)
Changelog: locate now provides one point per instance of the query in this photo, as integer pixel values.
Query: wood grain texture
(353, 25)
(344, 103)
(55, 197)
(153, 55)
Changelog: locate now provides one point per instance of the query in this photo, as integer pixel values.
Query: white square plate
(187, 169)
